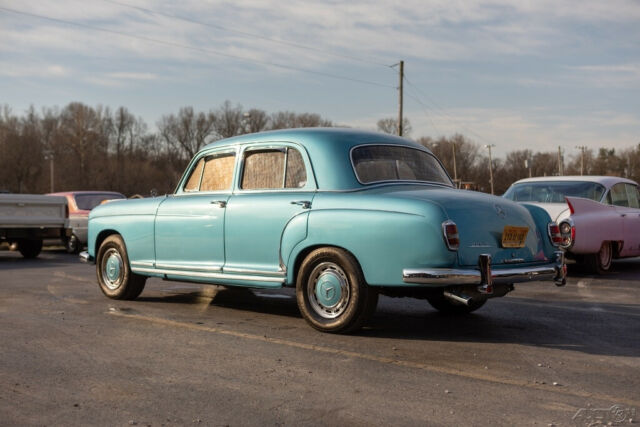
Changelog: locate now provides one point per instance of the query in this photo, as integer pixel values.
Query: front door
(189, 228)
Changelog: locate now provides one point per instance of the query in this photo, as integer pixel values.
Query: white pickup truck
(27, 219)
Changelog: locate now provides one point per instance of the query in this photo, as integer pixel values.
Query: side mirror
(153, 192)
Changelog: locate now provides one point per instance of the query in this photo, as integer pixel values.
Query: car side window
(212, 173)
(193, 183)
(632, 196)
(272, 169)
(619, 195)
(296, 174)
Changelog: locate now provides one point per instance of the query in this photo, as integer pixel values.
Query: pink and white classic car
(599, 216)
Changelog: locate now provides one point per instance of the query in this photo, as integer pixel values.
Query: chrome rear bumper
(484, 276)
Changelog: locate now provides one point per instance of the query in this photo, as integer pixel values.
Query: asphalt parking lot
(185, 354)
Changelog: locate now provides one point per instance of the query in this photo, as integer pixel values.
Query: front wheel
(445, 305)
(331, 292)
(72, 245)
(115, 277)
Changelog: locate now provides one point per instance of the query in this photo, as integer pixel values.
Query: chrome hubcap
(328, 290)
(112, 269)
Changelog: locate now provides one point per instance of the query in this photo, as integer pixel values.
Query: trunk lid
(481, 220)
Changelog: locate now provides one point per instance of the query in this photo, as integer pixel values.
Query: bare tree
(390, 125)
(229, 120)
(255, 120)
(188, 131)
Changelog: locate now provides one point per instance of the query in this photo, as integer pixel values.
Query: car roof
(328, 150)
(607, 181)
(310, 137)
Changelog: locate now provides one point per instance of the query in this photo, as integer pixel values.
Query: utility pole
(455, 171)
(560, 165)
(581, 148)
(488, 146)
(400, 90)
(48, 155)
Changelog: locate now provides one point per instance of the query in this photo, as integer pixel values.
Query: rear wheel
(600, 262)
(331, 292)
(115, 277)
(445, 305)
(30, 248)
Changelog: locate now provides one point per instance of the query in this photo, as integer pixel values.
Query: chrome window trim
(233, 149)
(424, 150)
(311, 184)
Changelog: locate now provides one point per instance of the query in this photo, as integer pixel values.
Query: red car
(80, 204)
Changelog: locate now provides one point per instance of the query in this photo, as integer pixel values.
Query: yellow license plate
(514, 237)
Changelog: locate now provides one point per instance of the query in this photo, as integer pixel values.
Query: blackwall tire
(115, 277)
(600, 263)
(331, 292)
(72, 244)
(30, 248)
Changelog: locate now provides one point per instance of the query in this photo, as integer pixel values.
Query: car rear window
(379, 163)
(89, 201)
(554, 191)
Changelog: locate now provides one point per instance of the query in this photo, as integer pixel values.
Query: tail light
(451, 237)
(554, 234)
(568, 231)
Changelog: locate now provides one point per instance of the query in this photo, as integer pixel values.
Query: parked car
(80, 204)
(599, 216)
(341, 215)
(27, 219)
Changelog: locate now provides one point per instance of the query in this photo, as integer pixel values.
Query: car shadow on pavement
(602, 329)
(13, 260)
(251, 300)
(621, 269)
(605, 329)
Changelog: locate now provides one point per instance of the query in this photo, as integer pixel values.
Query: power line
(246, 34)
(425, 110)
(444, 113)
(198, 49)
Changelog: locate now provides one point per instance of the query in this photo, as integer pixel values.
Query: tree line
(97, 148)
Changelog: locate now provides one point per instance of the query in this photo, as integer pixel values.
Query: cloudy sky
(531, 74)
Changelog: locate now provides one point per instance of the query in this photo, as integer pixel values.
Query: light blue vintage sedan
(339, 214)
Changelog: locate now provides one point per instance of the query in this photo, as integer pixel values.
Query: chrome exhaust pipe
(460, 298)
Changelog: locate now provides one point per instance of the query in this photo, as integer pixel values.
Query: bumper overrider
(85, 257)
(485, 277)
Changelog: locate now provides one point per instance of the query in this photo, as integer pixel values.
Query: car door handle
(220, 203)
(304, 203)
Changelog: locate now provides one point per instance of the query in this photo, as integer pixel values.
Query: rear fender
(594, 223)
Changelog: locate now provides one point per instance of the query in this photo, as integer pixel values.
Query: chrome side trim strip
(186, 267)
(142, 263)
(234, 270)
(206, 275)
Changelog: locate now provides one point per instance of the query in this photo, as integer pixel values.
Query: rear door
(275, 188)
